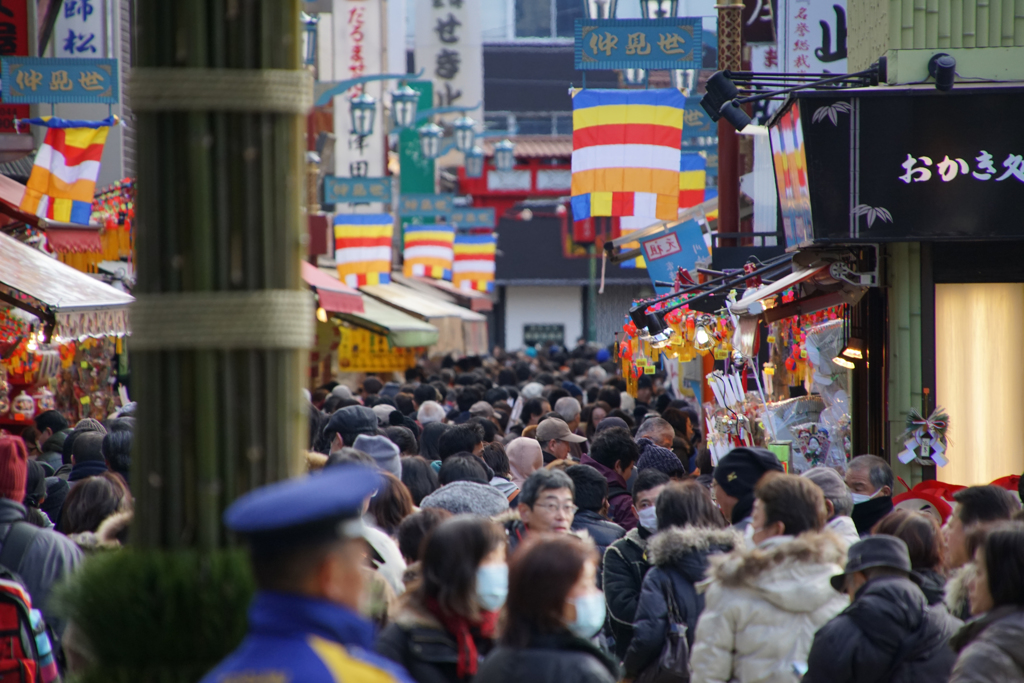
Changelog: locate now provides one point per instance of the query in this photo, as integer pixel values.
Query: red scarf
(462, 629)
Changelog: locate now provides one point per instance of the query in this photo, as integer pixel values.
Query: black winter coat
(680, 559)
(888, 633)
(600, 529)
(557, 658)
(625, 564)
(417, 640)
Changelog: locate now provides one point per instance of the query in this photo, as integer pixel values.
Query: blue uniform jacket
(293, 638)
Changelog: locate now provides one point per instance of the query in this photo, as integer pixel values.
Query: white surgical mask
(748, 536)
(589, 615)
(648, 518)
(859, 498)
(492, 586)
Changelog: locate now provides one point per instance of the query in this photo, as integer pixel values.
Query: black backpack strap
(16, 544)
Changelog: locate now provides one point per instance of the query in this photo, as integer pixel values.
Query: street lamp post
(599, 9)
(504, 155)
(658, 9)
(363, 110)
(430, 140)
(475, 162)
(463, 133)
(403, 106)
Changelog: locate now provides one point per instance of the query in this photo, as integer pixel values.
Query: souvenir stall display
(77, 378)
(61, 338)
(751, 405)
(114, 210)
(818, 424)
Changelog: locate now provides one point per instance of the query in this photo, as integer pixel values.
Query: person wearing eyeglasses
(545, 506)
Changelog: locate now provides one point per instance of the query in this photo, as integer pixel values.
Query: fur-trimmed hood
(791, 573)
(105, 536)
(673, 545)
(958, 597)
(409, 613)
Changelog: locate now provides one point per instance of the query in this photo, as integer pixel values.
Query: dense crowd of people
(532, 521)
(556, 528)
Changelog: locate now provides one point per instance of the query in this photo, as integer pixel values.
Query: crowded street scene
(511, 341)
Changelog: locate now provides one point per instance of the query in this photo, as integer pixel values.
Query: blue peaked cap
(307, 509)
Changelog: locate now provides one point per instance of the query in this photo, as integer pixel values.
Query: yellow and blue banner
(429, 251)
(626, 158)
(474, 262)
(362, 248)
(64, 174)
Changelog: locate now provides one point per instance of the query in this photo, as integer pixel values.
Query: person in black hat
(736, 476)
(306, 545)
(888, 633)
(347, 424)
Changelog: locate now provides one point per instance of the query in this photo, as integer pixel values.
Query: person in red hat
(41, 557)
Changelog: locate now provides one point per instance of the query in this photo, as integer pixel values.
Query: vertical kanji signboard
(449, 46)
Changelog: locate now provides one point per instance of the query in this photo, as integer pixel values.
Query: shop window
(979, 378)
(547, 18)
(533, 125)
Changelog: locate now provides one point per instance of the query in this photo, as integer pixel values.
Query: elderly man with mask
(838, 502)
(870, 481)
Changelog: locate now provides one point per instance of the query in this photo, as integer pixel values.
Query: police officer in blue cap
(307, 551)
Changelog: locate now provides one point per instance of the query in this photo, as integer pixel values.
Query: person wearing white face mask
(764, 604)
(870, 481)
(692, 529)
(553, 610)
(446, 622)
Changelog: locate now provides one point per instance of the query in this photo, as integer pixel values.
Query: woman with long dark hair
(553, 609)
(446, 621)
(690, 530)
(990, 645)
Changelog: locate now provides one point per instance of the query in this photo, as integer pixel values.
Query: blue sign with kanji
(35, 80)
(666, 252)
(425, 205)
(639, 43)
(356, 190)
(696, 122)
(472, 217)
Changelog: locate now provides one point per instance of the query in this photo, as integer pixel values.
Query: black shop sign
(900, 164)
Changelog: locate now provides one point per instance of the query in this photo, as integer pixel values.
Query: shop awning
(751, 304)
(334, 295)
(401, 329)
(446, 291)
(81, 306)
(461, 330)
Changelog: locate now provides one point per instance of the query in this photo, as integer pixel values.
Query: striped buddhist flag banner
(362, 248)
(474, 262)
(64, 174)
(429, 251)
(692, 179)
(625, 153)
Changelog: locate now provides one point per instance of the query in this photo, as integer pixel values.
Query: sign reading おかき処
(639, 43)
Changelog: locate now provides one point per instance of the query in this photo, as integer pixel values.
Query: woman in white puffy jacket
(764, 604)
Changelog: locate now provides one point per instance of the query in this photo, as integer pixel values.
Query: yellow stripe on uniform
(614, 114)
(344, 667)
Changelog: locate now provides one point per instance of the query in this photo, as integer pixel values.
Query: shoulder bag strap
(16, 544)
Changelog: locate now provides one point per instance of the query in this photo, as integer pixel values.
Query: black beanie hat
(741, 468)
